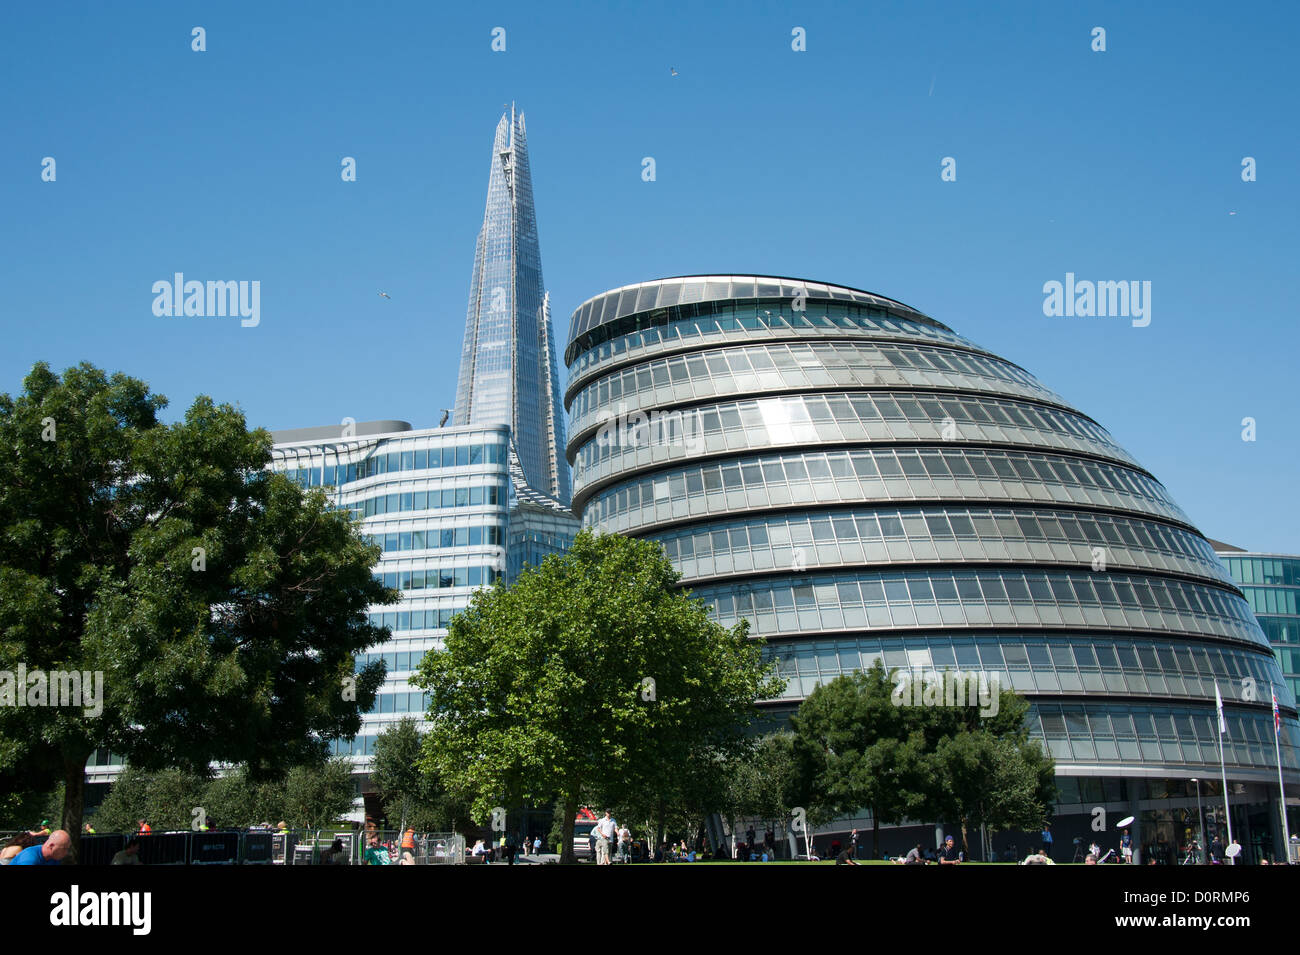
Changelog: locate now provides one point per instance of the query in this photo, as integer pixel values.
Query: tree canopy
(222, 605)
(592, 678)
(861, 744)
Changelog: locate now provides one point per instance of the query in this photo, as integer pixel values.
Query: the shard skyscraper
(508, 370)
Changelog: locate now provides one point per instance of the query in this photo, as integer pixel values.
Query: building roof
(688, 289)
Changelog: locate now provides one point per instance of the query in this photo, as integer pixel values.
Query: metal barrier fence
(264, 847)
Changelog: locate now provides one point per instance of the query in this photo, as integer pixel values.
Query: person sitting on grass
(950, 854)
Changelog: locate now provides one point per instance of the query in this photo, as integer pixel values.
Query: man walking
(1047, 839)
(605, 830)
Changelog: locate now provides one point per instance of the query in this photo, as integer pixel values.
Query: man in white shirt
(605, 829)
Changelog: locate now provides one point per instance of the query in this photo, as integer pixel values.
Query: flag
(1218, 705)
(1277, 717)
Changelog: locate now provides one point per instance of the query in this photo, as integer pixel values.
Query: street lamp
(1200, 819)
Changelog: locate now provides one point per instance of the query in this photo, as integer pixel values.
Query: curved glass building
(863, 483)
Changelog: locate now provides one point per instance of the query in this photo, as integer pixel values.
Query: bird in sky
(385, 295)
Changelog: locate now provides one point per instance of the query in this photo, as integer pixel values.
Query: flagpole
(1281, 789)
(1223, 773)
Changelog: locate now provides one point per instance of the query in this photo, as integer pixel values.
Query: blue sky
(823, 164)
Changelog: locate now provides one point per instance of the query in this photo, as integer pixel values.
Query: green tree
(991, 772)
(412, 796)
(593, 676)
(236, 799)
(222, 605)
(764, 782)
(318, 795)
(166, 799)
(858, 749)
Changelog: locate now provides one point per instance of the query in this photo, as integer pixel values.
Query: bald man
(50, 852)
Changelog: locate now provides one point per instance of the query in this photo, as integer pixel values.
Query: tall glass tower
(508, 370)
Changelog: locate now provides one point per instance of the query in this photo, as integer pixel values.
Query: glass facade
(1271, 585)
(860, 482)
(437, 502)
(508, 368)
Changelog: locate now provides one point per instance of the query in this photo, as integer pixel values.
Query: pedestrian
(537, 845)
(51, 852)
(605, 830)
(1126, 847)
(1047, 839)
(624, 844)
(145, 829)
(375, 853)
(949, 855)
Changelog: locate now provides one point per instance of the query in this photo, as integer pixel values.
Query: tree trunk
(74, 801)
(659, 829)
(566, 847)
(875, 834)
(964, 847)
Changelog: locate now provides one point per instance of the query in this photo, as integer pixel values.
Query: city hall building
(860, 482)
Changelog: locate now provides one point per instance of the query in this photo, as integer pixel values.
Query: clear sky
(822, 164)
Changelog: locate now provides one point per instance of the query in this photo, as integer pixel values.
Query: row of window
(398, 661)
(432, 618)
(401, 702)
(1059, 664)
(1280, 629)
(1095, 790)
(441, 578)
(808, 602)
(1141, 734)
(950, 534)
(836, 419)
(871, 475)
(1264, 570)
(491, 494)
(670, 327)
(335, 475)
(488, 535)
(1274, 600)
(357, 746)
(801, 366)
